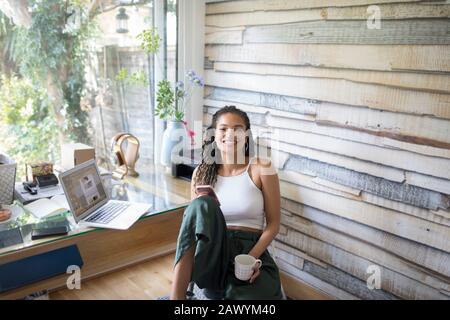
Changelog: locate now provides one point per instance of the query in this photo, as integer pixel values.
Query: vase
(172, 141)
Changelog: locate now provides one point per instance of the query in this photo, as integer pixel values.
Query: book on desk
(46, 207)
(47, 202)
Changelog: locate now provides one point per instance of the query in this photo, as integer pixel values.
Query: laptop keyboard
(108, 212)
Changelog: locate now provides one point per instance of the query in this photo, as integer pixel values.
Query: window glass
(76, 71)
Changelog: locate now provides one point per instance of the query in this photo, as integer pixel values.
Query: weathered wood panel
(405, 80)
(208, 64)
(281, 246)
(223, 35)
(309, 182)
(414, 31)
(422, 255)
(258, 109)
(315, 282)
(249, 6)
(258, 119)
(420, 130)
(442, 213)
(406, 193)
(338, 91)
(433, 166)
(273, 101)
(289, 258)
(428, 182)
(406, 226)
(365, 57)
(362, 249)
(342, 161)
(346, 282)
(437, 216)
(337, 186)
(389, 11)
(362, 136)
(391, 281)
(283, 230)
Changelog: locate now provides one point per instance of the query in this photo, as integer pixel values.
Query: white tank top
(241, 201)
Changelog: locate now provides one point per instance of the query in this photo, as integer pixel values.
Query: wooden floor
(153, 279)
(144, 281)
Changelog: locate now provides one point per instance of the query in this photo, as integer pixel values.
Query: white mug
(243, 266)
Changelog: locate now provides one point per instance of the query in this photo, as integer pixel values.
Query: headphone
(124, 158)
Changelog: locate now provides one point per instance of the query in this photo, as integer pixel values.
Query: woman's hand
(255, 274)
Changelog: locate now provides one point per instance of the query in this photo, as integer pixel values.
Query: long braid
(207, 170)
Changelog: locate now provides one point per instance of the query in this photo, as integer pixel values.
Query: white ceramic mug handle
(258, 262)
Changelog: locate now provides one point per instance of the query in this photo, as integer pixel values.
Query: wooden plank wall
(358, 120)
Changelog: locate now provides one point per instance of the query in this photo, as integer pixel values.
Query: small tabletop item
(5, 213)
(34, 170)
(10, 237)
(125, 153)
(31, 187)
(14, 212)
(48, 232)
(47, 180)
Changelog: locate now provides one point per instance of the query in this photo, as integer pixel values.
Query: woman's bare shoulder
(264, 165)
(262, 161)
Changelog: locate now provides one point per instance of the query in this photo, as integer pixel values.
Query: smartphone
(48, 232)
(202, 190)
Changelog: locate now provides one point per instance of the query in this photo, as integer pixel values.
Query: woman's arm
(271, 193)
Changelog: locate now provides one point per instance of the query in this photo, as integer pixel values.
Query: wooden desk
(104, 250)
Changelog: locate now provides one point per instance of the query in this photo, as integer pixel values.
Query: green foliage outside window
(30, 130)
(150, 43)
(40, 100)
(150, 40)
(134, 78)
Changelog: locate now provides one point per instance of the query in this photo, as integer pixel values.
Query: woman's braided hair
(206, 173)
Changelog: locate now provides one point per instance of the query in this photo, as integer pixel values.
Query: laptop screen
(84, 189)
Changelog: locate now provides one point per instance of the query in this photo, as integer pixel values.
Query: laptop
(90, 203)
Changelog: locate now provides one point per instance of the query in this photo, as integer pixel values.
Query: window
(86, 79)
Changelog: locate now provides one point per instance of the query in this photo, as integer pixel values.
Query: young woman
(245, 219)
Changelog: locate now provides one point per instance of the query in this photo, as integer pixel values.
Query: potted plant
(171, 105)
(171, 99)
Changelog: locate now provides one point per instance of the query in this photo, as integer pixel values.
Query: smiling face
(230, 133)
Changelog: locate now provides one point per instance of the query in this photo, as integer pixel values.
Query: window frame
(190, 56)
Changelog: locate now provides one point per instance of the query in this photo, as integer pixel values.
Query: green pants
(215, 248)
